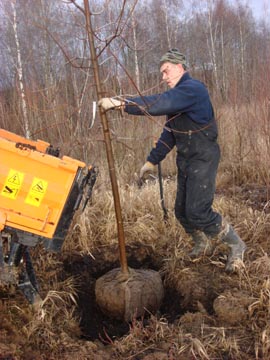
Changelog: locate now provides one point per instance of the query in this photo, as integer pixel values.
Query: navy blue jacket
(189, 97)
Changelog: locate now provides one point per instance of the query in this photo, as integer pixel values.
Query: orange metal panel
(34, 186)
(40, 145)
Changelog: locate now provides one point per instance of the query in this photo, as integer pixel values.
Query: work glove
(147, 168)
(110, 103)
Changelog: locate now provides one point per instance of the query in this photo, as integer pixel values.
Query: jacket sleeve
(179, 99)
(190, 97)
(165, 144)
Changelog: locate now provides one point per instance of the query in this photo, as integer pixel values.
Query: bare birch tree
(24, 114)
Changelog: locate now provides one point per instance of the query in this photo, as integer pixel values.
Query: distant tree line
(47, 84)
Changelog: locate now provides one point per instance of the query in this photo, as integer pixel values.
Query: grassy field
(206, 313)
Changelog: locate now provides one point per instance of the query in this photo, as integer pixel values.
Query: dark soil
(94, 324)
(199, 293)
(195, 290)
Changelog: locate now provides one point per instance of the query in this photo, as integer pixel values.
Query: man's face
(171, 73)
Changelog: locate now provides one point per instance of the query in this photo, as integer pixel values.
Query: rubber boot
(236, 244)
(202, 244)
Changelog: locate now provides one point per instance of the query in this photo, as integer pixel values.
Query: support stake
(107, 138)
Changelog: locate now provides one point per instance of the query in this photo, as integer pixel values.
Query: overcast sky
(260, 7)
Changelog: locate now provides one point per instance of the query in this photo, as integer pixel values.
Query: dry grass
(221, 316)
(198, 335)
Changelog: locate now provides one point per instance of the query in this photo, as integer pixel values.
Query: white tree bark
(136, 63)
(165, 6)
(20, 72)
(224, 69)
(242, 51)
(212, 38)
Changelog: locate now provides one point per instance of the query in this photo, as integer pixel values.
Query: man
(191, 127)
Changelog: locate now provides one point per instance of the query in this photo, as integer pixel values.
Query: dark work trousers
(198, 157)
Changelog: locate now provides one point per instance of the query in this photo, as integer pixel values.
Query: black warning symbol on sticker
(38, 187)
(9, 190)
(14, 179)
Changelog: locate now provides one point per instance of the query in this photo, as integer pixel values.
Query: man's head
(172, 66)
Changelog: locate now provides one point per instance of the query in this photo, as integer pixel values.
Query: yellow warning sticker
(37, 192)
(13, 184)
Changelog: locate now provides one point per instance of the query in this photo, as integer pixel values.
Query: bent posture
(191, 127)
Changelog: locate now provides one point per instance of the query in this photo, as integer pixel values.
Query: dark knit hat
(174, 56)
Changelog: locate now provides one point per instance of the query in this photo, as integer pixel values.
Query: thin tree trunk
(167, 24)
(242, 60)
(137, 72)
(20, 73)
(224, 72)
(212, 44)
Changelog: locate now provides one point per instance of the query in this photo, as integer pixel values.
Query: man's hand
(147, 168)
(110, 103)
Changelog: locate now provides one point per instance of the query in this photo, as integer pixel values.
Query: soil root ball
(125, 296)
(231, 307)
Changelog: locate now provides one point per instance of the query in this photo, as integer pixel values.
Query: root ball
(125, 296)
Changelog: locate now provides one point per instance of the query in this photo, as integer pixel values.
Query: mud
(94, 324)
(199, 297)
(231, 307)
(194, 291)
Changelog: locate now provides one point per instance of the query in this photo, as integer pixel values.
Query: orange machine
(39, 194)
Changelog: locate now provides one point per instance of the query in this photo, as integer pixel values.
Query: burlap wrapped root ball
(128, 296)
